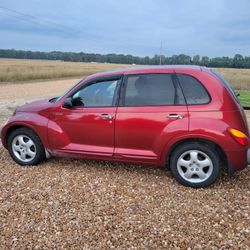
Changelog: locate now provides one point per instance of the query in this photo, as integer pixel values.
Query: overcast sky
(213, 28)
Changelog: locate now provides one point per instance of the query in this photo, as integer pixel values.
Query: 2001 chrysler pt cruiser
(185, 118)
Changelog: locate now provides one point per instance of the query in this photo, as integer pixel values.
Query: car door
(86, 128)
(151, 112)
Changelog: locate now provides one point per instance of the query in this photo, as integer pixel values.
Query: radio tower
(161, 53)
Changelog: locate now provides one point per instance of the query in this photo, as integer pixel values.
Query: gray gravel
(86, 204)
(73, 204)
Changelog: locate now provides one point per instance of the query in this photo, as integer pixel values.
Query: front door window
(99, 94)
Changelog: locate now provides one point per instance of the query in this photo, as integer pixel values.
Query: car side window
(194, 91)
(97, 94)
(151, 90)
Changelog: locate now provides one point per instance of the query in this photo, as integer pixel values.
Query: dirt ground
(13, 95)
(75, 204)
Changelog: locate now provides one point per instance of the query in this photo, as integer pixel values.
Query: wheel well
(11, 129)
(221, 153)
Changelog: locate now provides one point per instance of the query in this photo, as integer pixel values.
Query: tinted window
(226, 83)
(100, 94)
(150, 90)
(67, 91)
(193, 90)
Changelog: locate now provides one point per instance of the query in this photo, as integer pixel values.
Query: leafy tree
(238, 61)
(205, 61)
(196, 60)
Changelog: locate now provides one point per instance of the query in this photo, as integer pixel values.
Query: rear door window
(194, 91)
(151, 90)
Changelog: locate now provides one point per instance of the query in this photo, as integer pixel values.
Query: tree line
(238, 61)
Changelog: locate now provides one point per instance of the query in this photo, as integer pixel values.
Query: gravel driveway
(77, 204)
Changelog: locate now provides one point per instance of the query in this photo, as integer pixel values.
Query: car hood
(35, 106)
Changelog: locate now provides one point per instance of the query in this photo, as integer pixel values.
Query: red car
(185, 118)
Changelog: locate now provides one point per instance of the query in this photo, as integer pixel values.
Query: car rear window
(226, 84)
(193, 90)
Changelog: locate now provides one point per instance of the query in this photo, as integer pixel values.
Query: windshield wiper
(53, 100)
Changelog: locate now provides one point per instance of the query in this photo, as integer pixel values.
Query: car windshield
(67, 91)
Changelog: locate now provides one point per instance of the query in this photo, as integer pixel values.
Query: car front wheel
(25, 147)
(194, 164)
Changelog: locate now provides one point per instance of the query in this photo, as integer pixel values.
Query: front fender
(37, 122)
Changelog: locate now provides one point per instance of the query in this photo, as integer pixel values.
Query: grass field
(238, 78)
(245, 99)
(19, 70)
(15, 70)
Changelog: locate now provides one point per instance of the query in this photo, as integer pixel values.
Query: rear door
(151, 111)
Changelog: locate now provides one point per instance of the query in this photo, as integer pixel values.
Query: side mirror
(68, 103)
(77, 102)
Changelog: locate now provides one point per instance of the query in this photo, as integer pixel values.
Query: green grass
(245, 99)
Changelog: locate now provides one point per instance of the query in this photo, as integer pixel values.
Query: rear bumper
(238, 159)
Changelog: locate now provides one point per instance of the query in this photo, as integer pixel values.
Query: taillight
(239, 136)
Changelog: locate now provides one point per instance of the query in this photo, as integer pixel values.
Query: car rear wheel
(194, 164)
(25, 147)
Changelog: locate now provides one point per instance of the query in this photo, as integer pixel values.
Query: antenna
(161, 52)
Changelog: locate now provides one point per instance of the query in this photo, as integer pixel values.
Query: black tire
(191, 173)
(38, 148)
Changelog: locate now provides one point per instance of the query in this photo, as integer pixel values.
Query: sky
(208, 28)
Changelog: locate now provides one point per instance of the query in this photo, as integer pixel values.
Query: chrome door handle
(106, 116)
(175, 116)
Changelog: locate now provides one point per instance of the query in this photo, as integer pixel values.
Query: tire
(25, 147)
(195, 165)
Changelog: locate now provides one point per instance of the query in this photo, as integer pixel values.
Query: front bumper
(248, 156)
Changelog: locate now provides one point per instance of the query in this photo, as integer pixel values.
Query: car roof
(149, 69)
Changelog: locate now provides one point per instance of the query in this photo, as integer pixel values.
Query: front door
(87, 127)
